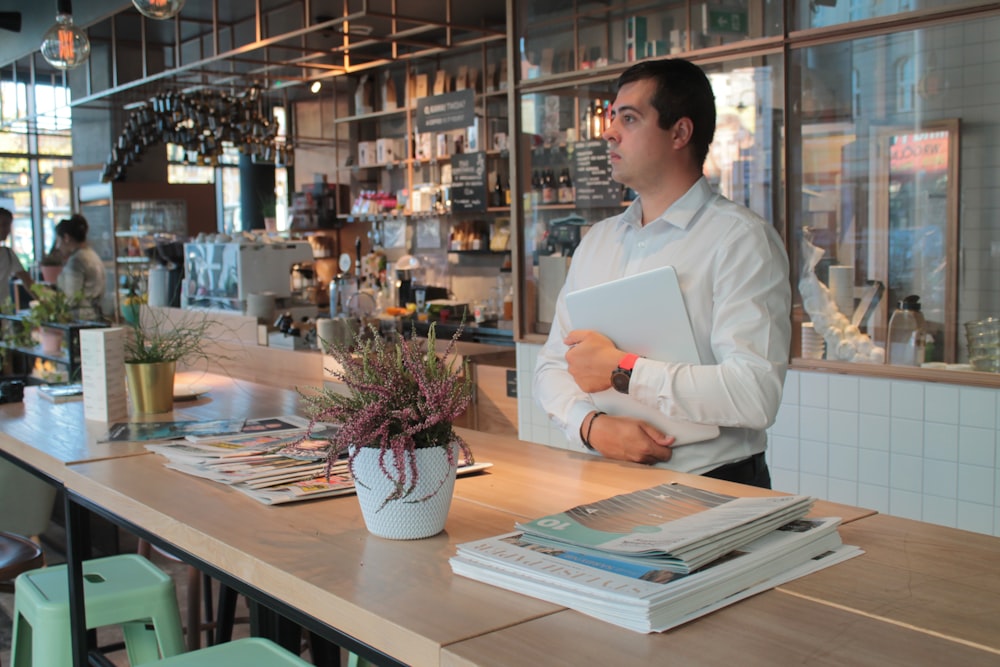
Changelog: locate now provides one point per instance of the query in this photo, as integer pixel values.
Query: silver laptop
(644, 314)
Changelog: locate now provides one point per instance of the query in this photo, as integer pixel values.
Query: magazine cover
(681, 526)
(173, 430)
(283, 424)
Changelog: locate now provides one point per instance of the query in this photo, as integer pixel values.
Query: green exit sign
(725, 20)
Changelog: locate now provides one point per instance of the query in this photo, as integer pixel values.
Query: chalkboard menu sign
(592, 177)
(468, 182)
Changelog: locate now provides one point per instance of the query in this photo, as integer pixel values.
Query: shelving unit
(381, 151)
(70, 349)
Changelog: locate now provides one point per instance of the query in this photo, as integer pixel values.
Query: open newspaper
(271, 466)
(651, 599)
(672, 526)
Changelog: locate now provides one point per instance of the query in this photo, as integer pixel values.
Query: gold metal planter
(151, 386)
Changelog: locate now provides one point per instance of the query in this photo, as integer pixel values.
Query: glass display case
(135, 226)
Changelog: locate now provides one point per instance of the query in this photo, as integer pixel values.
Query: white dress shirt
(733, 272)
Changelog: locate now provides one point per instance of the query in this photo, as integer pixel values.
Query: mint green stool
(248, 652)
(124, 590)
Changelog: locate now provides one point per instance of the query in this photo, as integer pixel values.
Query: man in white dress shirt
(733, 272)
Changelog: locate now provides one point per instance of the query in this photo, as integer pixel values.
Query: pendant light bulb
(65, 45)
(159, 9)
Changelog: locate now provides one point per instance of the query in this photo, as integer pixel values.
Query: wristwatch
(620, 376)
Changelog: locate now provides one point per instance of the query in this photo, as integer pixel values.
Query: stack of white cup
(812, 342)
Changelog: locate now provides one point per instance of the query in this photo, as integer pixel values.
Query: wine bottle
(549, 187)
(597, 121)
(498, 197)
(566, 192)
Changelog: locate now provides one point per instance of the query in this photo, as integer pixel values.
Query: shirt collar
(680, 213)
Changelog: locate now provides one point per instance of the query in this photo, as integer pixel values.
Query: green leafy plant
(13, 333)
(268, 205)
(157, 338)
(401, 396)
(51, 306)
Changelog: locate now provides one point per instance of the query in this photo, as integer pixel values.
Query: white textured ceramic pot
(408, 518)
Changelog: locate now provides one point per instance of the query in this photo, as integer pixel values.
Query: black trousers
(752, 471)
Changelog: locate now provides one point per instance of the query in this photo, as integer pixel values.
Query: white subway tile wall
(913, 449)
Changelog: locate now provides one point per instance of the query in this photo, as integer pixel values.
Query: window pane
(562, 144)
(890, 139)
(55, 144)
(824, 13)
(56, 199)
(13, 142)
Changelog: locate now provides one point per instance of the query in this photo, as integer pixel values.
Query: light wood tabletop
(904, 601)
(398, 596)
(49, 436)
(763, 631)
(530, 480)
(939, 579)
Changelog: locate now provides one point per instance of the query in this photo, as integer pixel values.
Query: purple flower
(401, 396)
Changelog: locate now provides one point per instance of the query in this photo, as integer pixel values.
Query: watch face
(619, 380)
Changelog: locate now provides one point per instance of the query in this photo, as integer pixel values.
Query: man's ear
(681, 132)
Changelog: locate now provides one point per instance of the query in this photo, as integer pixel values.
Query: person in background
(10, 265)
(83, 271)
(733, 273)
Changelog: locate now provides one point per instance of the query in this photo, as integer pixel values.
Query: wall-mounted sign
(722, 20)
(450, 111)
(468, 182)
(592, 176)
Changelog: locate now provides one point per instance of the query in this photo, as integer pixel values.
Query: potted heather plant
(396, 420)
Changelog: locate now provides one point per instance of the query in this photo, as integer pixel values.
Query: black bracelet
(590, 426)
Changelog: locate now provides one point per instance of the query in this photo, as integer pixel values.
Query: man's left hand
(591, 359)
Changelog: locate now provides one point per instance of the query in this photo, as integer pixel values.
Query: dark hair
(75, 227)
(5, 213)
(682, 91)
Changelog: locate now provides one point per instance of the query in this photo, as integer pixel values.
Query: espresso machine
(222, 276)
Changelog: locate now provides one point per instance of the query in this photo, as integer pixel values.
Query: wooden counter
(767, 630)
(922, 594)
(940, 579)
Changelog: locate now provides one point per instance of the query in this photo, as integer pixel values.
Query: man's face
(639, 149)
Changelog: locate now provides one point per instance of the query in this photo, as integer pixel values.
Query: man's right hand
(629, 439)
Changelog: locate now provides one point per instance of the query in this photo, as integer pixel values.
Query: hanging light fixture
(159, 9)
(315, 87)
(65, 45)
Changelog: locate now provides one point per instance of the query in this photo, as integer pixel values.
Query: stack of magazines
(274, 460)
(654, 559)
(272, 468)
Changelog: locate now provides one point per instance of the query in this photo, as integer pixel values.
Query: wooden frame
(903, 157)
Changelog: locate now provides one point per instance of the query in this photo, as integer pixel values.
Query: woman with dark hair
(84, 271)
